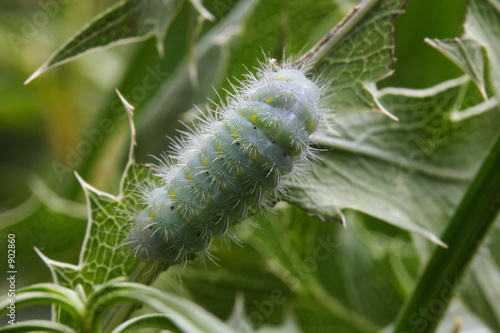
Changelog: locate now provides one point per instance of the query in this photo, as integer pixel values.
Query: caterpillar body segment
(227, 167)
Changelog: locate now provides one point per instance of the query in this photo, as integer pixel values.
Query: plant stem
(468, 227)
(144, 274)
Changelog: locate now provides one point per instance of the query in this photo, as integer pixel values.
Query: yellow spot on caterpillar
(311, 125)
(152, 215)
(204, 163)
(233, 133)
(277, 134)
(255, 116)
(281, 77)
(269, 100)
(239, 173)
(189, 176)
(295, 106)
(218, 148)
(255, 157)
(208, 203)
(172, 195)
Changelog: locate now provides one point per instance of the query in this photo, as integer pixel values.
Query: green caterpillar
(229, 166)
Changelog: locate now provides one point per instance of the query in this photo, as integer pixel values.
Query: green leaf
(127, 21)
(187, 316)
(386, 169)
(466, 54)
(48, 294)
(104, 254)
(354, 54)
(150, 320)
(37, 326)
(329, 269)
(411, 174)
(476, 214)
(329, 278)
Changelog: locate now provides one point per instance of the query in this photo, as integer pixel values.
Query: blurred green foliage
(43, 125)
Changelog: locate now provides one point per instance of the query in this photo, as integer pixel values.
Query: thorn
(128, 106)
(343, 221)
(36, 74)
(386, 113)
(372, 89)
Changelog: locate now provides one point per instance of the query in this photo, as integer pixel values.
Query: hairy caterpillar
(228, 166)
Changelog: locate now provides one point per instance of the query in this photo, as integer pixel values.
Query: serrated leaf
(104, 254)
(355, 53)
(386, 169)
(127, 21)
(466, 54)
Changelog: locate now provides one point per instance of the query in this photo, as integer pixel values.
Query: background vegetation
(374, 266)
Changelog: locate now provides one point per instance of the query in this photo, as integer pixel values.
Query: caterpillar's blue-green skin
(228, 167)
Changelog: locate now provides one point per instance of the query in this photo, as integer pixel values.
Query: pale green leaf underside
(467, 54)
(125, 22)
(411, 173)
